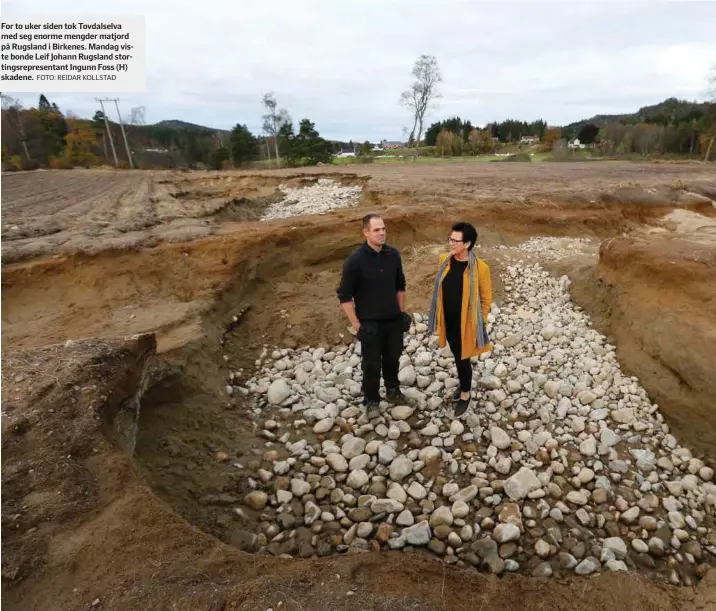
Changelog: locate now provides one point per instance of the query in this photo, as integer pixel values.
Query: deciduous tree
(551, 135)
(472, 140)
(80, 142)
(274, 120)
(422, 94)
(588, 134)
(14, 113)
(137, 116)
(485, 144)
(443, 144)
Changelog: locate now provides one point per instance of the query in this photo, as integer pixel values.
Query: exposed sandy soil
(655, 295)
(80, 525)
(91, 211)
(82, 520)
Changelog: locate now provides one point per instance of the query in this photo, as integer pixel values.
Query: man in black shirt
(372, 294)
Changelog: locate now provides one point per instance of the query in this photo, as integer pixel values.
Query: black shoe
(372, 408)
(396, 396)
(460, 408)
(453, 397)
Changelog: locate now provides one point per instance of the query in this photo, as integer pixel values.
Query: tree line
(671, 127)
(510, 130)
(674, 126)
(45, 137)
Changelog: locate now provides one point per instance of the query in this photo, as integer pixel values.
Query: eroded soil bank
(77, 513)
(654, 295)
(56, 553)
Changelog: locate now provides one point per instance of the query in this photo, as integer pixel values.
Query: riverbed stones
(562, 464)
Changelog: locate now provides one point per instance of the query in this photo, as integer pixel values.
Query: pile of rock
(564, 465)
(549, 249)
(324, 196)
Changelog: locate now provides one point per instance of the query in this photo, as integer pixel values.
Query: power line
(121, 126)
(109, 133)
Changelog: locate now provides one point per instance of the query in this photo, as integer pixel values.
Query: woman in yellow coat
(461, 300)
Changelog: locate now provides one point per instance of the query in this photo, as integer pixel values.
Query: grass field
(408, 158)
(405, 156)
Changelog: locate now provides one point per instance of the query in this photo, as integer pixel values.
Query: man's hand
(350, 312)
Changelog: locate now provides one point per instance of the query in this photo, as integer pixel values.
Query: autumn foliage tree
(551, 135)
(472, 139)
(485, 143)
(443, 143)
(80, 141)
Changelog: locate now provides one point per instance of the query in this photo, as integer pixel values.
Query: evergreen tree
(244, 145)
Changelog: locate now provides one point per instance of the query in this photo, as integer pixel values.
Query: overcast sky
(343, 64)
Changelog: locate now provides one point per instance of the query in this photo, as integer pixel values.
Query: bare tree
(712, 95)
(13, 111)
(274, 120)
(422, 94)
(136, 116)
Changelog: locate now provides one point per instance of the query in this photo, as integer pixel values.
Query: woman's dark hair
(469, 233)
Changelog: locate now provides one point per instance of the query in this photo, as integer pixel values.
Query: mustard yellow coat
(483, 287)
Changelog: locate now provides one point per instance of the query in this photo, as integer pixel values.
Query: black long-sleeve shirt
(372, 280)
(453, 288)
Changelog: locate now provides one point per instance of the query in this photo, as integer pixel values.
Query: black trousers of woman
(454, 339)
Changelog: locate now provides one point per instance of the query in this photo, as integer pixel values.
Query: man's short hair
(469, 233)
(368, 218)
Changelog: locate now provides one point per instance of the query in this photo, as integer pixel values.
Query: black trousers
(381, 347)
(453, 331)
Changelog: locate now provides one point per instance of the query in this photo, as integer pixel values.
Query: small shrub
(14, 163)
(59, 162)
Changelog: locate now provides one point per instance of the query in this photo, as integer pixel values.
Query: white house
(576, 144)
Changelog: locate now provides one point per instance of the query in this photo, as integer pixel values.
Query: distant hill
(671, 111)
(184, 125)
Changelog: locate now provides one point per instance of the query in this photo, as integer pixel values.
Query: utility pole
(121, 126)
(124, 135)
(109, 133)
